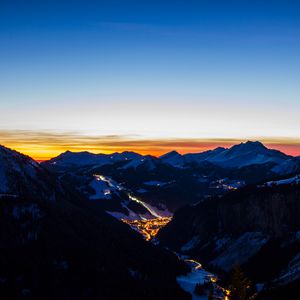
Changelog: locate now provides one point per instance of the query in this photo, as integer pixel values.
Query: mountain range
(172, 180)
(238, 156)
(61, 235)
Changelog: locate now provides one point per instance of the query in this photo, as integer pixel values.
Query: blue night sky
(151, 69)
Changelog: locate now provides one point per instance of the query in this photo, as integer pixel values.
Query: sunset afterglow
(45, 145)
(115, 76)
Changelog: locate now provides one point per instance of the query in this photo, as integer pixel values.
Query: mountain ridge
(57, 245)
(217, 155)
(249, 142)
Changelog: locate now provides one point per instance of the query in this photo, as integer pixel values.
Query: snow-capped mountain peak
(249, 153)
(248, 147)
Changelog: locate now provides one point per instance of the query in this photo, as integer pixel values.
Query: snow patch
(101, 189)
(292, 272)
(240, 250)
(292, 180)
(189, 282)
(197, 276)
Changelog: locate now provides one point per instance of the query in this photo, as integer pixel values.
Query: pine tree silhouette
(240, 286)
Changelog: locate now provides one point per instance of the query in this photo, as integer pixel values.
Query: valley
(149, 150)
(183, 207)
(149, 228)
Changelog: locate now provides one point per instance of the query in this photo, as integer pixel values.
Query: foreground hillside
(61, 235)
(256, 227)
(56, 245)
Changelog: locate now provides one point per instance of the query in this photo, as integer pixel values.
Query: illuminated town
(148, 228)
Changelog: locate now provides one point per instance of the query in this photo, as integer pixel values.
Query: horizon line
(43, 146)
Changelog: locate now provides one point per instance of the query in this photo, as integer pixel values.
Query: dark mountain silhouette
(256, 227)
(56, 245)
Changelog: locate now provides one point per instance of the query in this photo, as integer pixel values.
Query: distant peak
(70, 154)
(171, 154)
(130, 153)
(255, 144)
(247, 147)
(79, 152)
(251, 144)
(66, 153)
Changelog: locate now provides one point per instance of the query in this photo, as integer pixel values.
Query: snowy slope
(21, 175)
(204, 156)
(288, 166)
(238, 251)
(291, 180)
(291, 273)
(147, 162)
(248, 153)
(173, 158)
(101, 189)
(244, 154)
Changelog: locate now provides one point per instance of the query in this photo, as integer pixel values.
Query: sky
(148, 76)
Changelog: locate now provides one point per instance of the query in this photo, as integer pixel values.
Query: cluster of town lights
(148, 228)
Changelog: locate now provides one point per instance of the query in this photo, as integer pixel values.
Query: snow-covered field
(105, 186)
(101, 189)
(197, 276)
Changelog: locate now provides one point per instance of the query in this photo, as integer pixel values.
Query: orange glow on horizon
(50, 152)
(44, 145)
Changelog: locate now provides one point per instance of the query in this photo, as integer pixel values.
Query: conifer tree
(240, 286)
